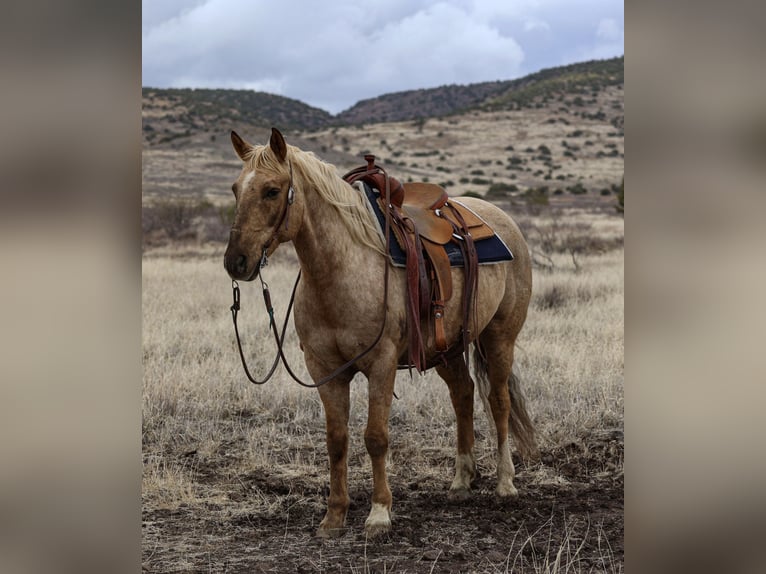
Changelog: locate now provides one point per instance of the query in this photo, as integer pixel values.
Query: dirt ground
(264, 519)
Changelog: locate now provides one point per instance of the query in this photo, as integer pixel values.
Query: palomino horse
(286, 194)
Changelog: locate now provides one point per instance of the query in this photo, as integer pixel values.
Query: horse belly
(491, 295)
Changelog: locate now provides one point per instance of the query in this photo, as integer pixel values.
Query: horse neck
(323, 244)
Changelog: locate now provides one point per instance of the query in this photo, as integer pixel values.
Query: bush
(172, 219)
(536, 195)
(501, 189)
(577, 189)
(552, 297)
(621, 197)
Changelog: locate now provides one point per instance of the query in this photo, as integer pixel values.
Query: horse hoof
(378, 522)
(375, 529)
(507, 491)
(331, 532)
(459, 494)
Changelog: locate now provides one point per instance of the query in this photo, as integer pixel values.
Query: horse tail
(522, 428)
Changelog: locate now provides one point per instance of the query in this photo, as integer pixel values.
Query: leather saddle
(424, 219)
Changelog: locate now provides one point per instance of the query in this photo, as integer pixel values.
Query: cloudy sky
(333, 53)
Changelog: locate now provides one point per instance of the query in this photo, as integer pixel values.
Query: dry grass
(570, 355)
(199, 410)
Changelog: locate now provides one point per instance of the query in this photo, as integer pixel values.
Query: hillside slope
(584, 79)
(172, 114)
(169, 114)
(555, 137)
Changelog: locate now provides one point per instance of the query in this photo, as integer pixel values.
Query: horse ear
(278, 145)
(242, 148)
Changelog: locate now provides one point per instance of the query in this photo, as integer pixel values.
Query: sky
(330, 54)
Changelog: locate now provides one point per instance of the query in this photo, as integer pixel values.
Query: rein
(280, 339)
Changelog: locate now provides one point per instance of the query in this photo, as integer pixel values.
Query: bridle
(285, 218)
(280, 338)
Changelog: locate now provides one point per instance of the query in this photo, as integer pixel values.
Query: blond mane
(310, 172)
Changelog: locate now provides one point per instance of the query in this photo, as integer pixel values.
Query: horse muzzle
(239, 266)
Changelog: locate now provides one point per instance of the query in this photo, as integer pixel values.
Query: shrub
(536, 195)
(621, 197)
(501, 189)
(552, 297)
(577, 189)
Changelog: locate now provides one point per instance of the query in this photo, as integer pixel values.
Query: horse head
(264, 205)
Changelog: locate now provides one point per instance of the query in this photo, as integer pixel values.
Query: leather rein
(280, 338)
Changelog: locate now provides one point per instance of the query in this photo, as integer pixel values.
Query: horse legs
(335, 399)
(460, 387)
(381, 390)
(498, 372)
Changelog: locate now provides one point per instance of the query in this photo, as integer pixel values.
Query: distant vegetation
(173, 113)
(621, 197)
(170, 114)
(575, 80)
(582, 80)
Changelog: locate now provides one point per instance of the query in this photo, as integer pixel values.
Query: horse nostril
(242, 263)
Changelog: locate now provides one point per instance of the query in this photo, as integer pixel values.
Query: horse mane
(310, 172)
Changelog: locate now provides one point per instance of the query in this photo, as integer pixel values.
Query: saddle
(424, 220)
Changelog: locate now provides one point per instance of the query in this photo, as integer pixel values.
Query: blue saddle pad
(490, 250)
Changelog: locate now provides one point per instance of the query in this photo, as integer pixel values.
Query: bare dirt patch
(570, 512)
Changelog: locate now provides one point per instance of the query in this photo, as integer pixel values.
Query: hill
(552, 138)
(169, 114)
(585, 79)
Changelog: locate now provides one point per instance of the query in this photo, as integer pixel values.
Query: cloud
(608, 30)
(333, 54)
(534, 24)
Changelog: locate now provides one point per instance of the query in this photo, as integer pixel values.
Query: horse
(285, 194)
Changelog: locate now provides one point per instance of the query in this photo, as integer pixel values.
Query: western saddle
(424, 221)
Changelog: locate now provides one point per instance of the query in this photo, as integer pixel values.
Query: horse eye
(272, 193)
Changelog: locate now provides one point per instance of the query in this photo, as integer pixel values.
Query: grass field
(235, 475)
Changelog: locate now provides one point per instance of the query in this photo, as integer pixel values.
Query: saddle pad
(490, 250)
